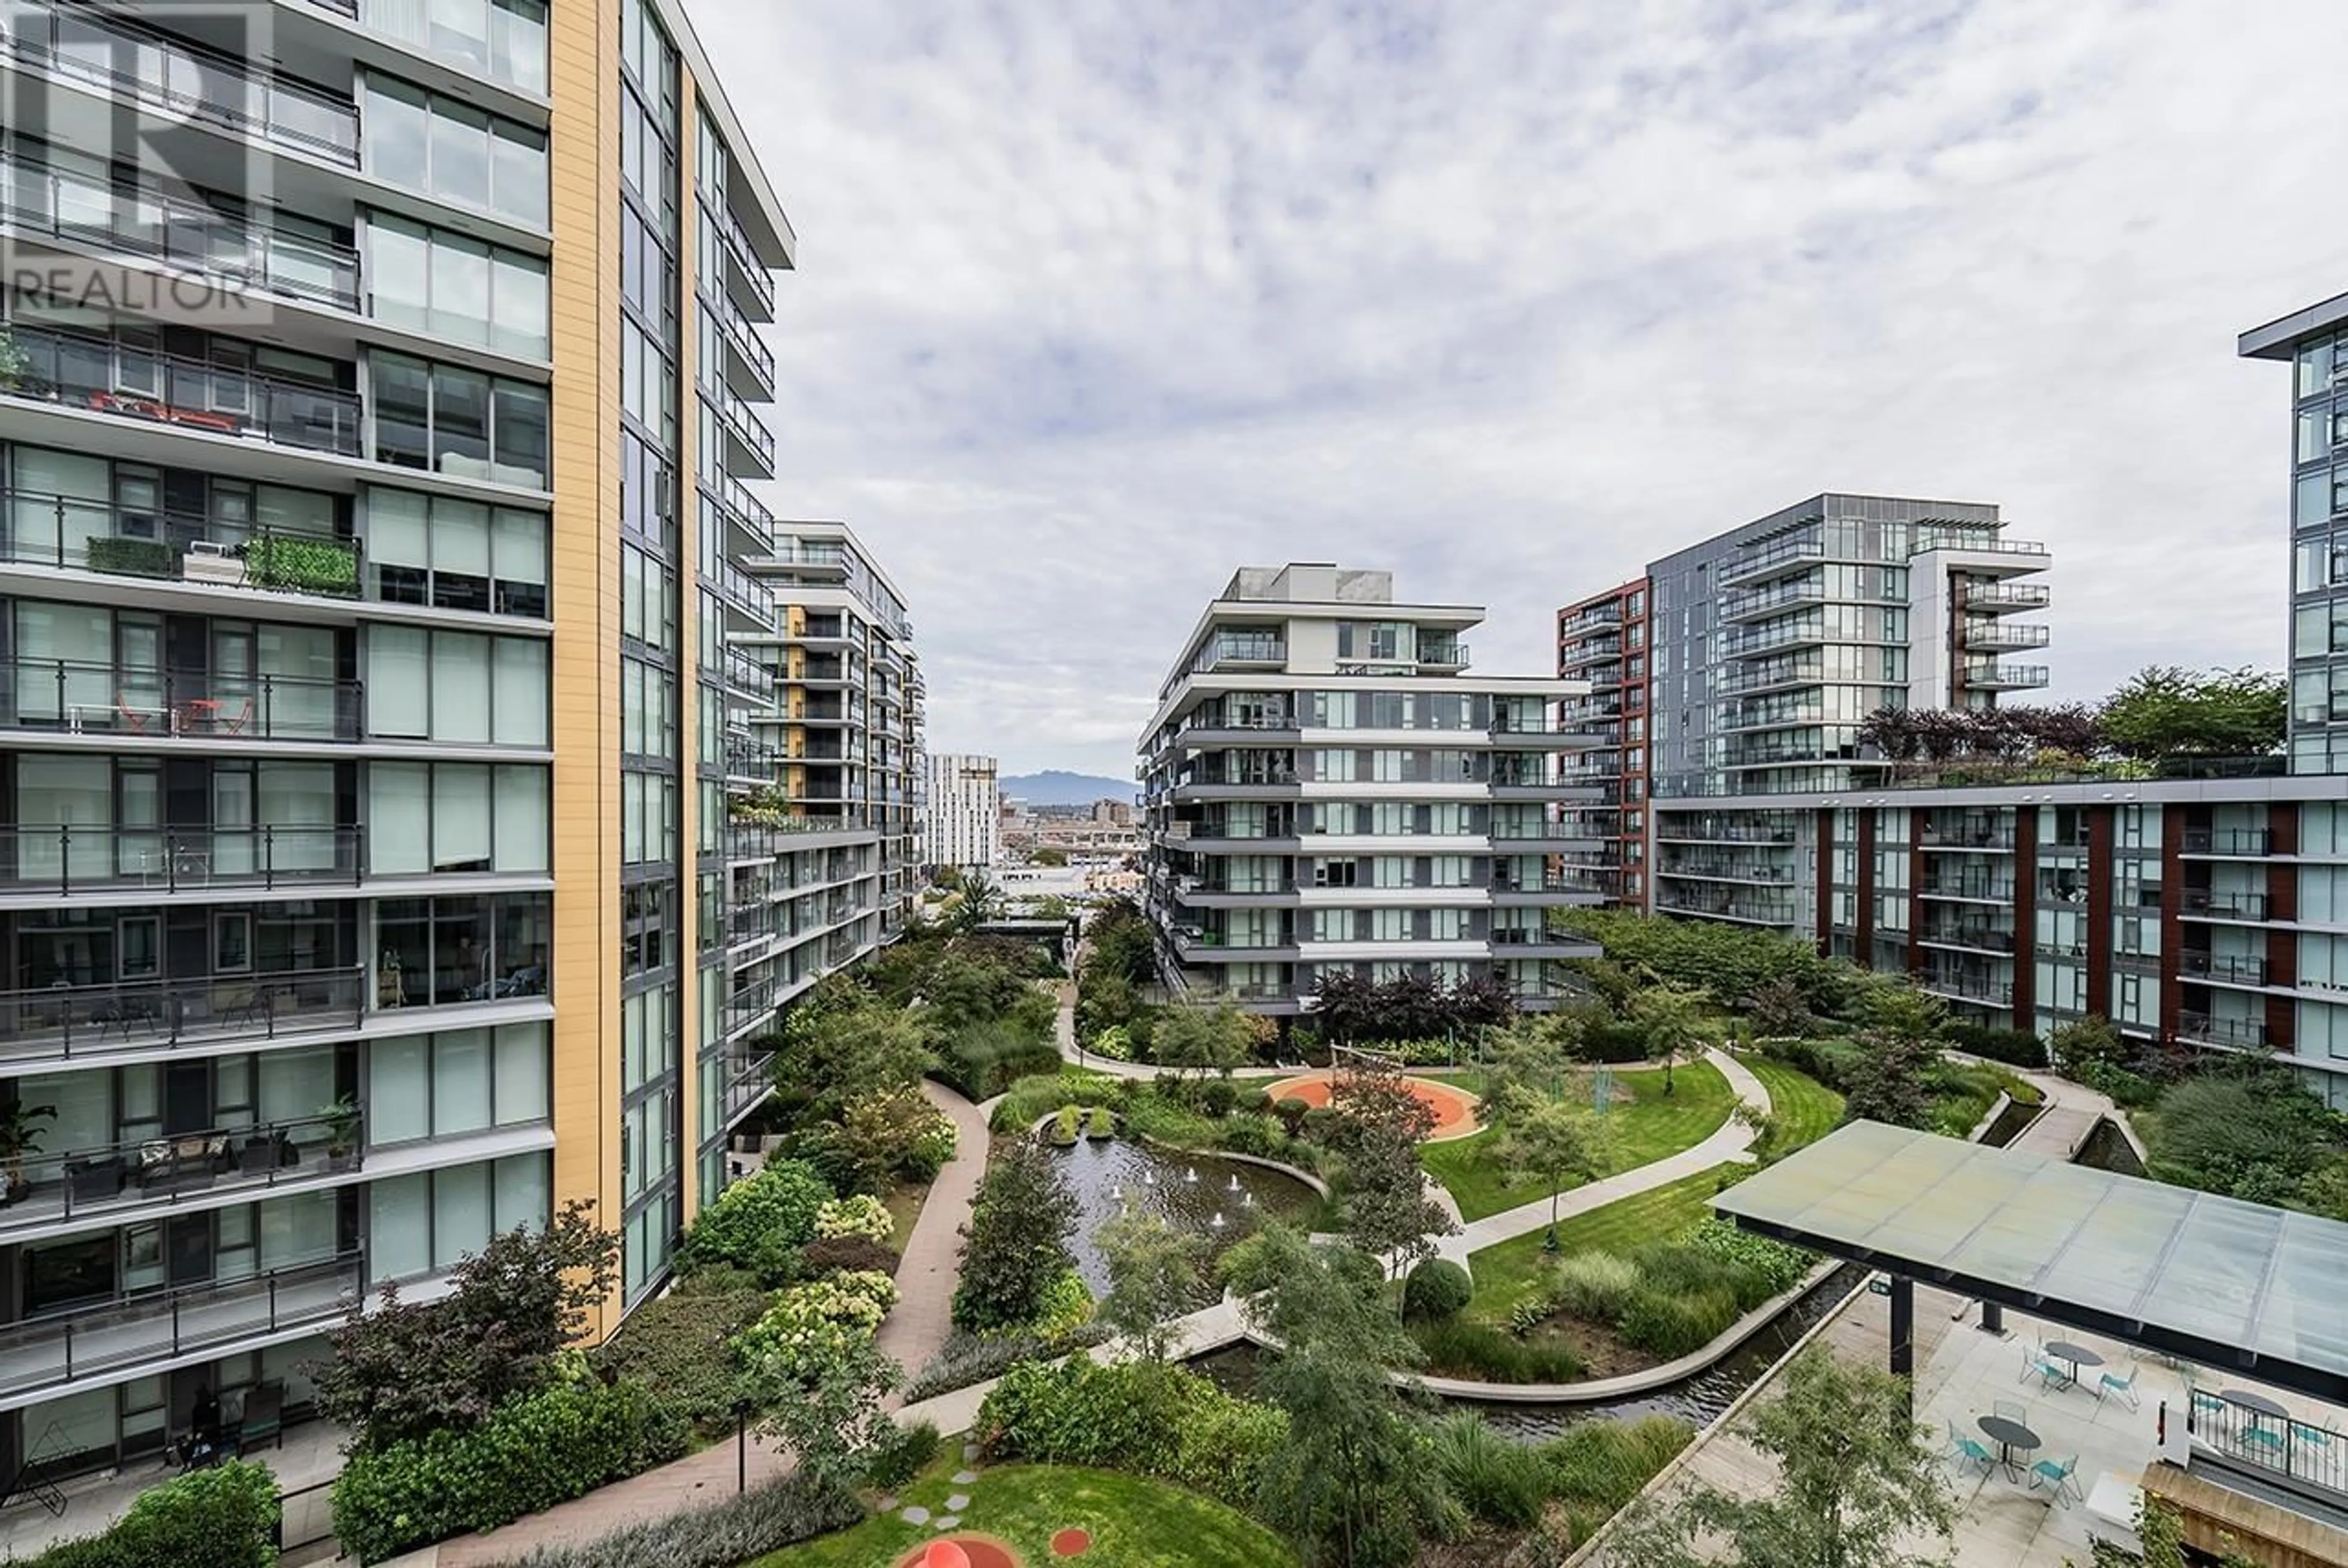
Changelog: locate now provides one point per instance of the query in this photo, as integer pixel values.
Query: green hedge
(1137, 1416)
(533, 1453)
(987, 1058)
(767, 1518)
(131, 558)
(223, 1517)
(306, 566)
(760, 1222)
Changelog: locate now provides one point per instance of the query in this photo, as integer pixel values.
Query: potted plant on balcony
(18, 1138)
(14, 362)
(342, 1119)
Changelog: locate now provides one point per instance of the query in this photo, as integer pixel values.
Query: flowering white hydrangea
(856, 1216)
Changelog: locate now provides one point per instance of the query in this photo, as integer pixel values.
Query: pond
(1699, 1399)
(1191, 1192)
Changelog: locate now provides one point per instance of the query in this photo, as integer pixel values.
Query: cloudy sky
(1098, 299)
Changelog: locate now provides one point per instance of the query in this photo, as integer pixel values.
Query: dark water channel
(1219, 1200)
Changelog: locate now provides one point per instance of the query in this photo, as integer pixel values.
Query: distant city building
(964, 807)
(1112, 812)
(1327, 789)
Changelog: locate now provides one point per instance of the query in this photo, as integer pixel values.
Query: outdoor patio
(309, 1458)
(1964, 1374)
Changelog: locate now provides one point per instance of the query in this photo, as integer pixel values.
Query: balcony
(1998, 598)
(1744, 911)
(749, 1078)
(2237, 970)
(2230, 1033)
(1593, 651)
(742, 336)
(65, 533)
(2229, 843)
(1977, 988)
(2005, 677)
(131, 382)
(1779, 753)
(157, 71)
(65, 861)
(2003, 636)
(1596, 617)
(2265, 1451)
(1792, 634)
(1227, 651)
(1970, 889)
(1677, 830)
(744, 255)
(739, 589)
(78, 1024)
(42, 202)
(1753, 603)
(87, 1340)
(112, 1180)
(1776, 558)
(2201, 904)
(750, 433)
(1726, 871)
(1776, 675)
(1972, 936)
(144, 704)
(1772, 716)
(1968, 840)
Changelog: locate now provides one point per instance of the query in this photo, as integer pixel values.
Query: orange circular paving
(1071, 1543)
(979, 1551)
(1455, 1109)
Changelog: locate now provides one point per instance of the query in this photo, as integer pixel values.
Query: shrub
(1115, 1043)
(1031, 1099)
(1595, 1287)
(807, 1323)
(1496, 1480)
(1064, 1307)
(861, 1216)
(1292, 1113)
(1218, 1096)
(902, 1453)
(223, 1517)
(1464, 1348)
(966, 1359)
(751, 1220)
(1066, 1124)
(1139, 1416)
(1015, 1247)
(769, 1517)
(985, 1059)
(1772, 1267)
(131, 558)
(1437, 1289)
(1669, 1324)
(1319, 1122)
(846, 1253)
(1099, 1123)
(1596, 1468)
(308, 566)
(675, 1346)
(531, 1453)
(2014, 1047)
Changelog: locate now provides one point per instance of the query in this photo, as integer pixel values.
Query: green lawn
(1807, 1109)
(1134, 1524)
(1506, 1274)
(1654, 1125)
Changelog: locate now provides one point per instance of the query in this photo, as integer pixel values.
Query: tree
(1855, 1478)
(1392, 1214)
(1528, 1059)
(831, 1413)
(982, 901)
(1050, 855)
(2162, 711)
(1778, 1010)
(1211, 1037)
(408, 1369)
(1351, 1478)
(1371, 1097)
(1345, 1006)
(1480, 1001)
(1554, 1142)
(847, 1045)
(1153, 1273)
(1672, 1017)
(1016, 1246)
(1118, 941)
(1901, 1039)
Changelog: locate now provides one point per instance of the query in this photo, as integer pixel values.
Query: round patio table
(2257, 1402)
(2008, 1435)
(2079, 1356)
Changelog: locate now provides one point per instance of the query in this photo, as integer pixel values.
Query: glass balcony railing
(85, 1340)
(742, 335)
(744, 255)
(153, 705)
(2244, 843)
(126, 379)
(2238, 1033)
(2230, 970)
(71, 534)
(2202, 903)
(113, 860)
(76, 1022)
(158, 71)
(744, 422)
(50, 1188)
(56, 204)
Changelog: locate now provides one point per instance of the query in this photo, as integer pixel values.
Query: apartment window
(431, 281)
(502, 39)
(648, 927)
(457, 817)
(461, 423)
(648, 600)
(648, 279)
(457, 1082)
(434, 952)
(647, 709)
(1335, 872)
(462, 686)
(456, 554)
(422, 1224)
(648, 1042)
(647, 493)
(452, 151)
(648, 816)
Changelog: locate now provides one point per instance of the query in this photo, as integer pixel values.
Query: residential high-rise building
(963, 827)
(1602, 641)
(1326, 788)
(380, 409)
(2189, 900)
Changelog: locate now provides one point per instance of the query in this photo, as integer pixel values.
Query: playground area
(1455, 1109)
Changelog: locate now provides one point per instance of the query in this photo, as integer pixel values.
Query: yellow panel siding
(583, 173)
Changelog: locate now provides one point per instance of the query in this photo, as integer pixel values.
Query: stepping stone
(957, 1503)
(969, 1451)
(888, 1505)
(915, 1515)
(965, 1477)
(948, 1521)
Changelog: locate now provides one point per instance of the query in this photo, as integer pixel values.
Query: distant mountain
(1055, 787)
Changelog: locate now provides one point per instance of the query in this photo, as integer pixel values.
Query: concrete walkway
(912, 1333)
(1065, 1030)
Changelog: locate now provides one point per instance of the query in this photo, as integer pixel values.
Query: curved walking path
(911, 1334)
(1065, 1031)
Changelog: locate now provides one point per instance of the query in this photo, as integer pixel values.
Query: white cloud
(1099, 300)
